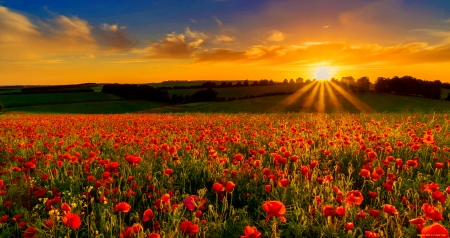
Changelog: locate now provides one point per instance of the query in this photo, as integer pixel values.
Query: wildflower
(370, 234)
(217, 187)
(122, 207)
(340, 211)
(71, 220)
(230, 186)
(188, 227)
(349, 226)
(274, 208)
(328, 211)
(354, 197)
(29, 232)
(434, 230)
(251, 232)
(389, 209)
(148, 215)
(431, 213)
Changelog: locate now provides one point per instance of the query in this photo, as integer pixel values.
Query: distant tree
(255, 83)
(299, 80)
(239, 84)
(1, 107)
(271, 82)
(263, 82)
(308, 81)
(382, 85)
(176, 99)
(363, 84)
(204, 95)
(246, 83)
(285, 81)
(223, 84)
(291, 81)
(187, 99)
(229, 84)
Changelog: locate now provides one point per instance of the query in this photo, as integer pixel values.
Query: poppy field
(225, 175)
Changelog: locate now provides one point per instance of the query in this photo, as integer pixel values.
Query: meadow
(227, 175)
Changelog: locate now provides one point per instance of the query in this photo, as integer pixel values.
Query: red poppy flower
(340, 211)
(188, 227)
(328, 211)
(437, 195)
(361, 215)
(268, 188)
(71, 220)
(29, 232)
(374, 213)
(148, 215)
(122, 207)
(217, 187)
(417, 221)
(283, 182)
(168, 172)
(274, 208)
(354, 197)
(40, 193)
(372, 194)
(153, 235)
(189, 202)
(65, 207)
(230, 186)
(389, 209)
(434, 230)
(431, 213)
(349, 226)
(364, 173)
(251, 232)
(370, 234)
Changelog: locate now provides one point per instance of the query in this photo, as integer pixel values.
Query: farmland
(284, 175)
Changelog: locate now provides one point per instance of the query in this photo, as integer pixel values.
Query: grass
(90, 107)
(367, 102)
(49, 98)
(238, 91)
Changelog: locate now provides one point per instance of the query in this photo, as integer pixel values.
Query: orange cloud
(173, 46)
(23, 39)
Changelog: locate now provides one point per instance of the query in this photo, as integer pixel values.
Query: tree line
(245, 83)
(408, 85)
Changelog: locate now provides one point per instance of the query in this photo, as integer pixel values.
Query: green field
(319, 98)
(362, 102)
(16, 100)
(239, 91)
(90, 107)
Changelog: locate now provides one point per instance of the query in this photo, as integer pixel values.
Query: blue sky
(270, 38)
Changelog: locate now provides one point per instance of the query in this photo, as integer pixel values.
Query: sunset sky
(139, 41)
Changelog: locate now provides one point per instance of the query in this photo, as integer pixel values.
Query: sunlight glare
(323, 73)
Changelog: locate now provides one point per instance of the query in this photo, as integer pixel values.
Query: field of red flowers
(219, 175)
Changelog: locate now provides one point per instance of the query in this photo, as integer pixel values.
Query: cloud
(23, 39)
(193, 20)
(335, 53)
(195, 34)
(173, 46)
(219, 54)
(219, 22)
(224, 39)
(276, 36)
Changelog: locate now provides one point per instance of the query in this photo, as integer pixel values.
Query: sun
(323, 73)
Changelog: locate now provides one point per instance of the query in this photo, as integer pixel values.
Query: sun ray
(291, 99)
(320, 105)
(333, 99)
(310, 98)
(361, 106)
